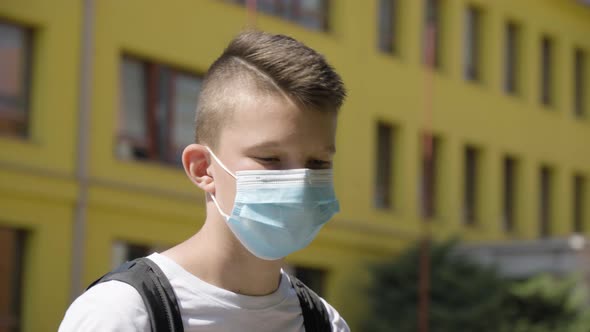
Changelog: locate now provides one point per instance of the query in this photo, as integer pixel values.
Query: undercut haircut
(257, 64)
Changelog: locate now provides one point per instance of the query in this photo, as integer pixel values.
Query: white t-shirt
(117, 306)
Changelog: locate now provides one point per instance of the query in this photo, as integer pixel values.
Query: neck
(215, 256)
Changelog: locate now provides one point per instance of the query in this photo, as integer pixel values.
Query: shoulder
(338, 323)
(108, 306)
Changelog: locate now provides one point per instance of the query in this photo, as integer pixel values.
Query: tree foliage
(466, 296)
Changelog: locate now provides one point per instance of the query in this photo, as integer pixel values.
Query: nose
(295, 163)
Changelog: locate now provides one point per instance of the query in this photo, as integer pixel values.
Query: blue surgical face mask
(275, 212)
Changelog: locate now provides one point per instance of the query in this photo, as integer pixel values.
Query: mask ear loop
(223, 214)
(220, 163)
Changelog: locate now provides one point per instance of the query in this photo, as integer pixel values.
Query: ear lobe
(195, 159)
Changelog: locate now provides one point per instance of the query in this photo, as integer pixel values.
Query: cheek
(225, 190)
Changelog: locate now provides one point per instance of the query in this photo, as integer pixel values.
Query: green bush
(465, 296)
(545, 303)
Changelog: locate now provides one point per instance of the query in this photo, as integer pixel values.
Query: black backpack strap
(315, 314)
(155, 290)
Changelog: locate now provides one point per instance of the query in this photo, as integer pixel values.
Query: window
(428, 188)
(388, 20)
(470, 190)
(545, 201)
(472, 44)
(12, 245)
(311, 14)
(580, 84)
(511, 58)
(432, 27)
(158, 104)
(15, 71)
(384, 164)
(579, 198)
(546, 71)
(313, 278)
(509, 200)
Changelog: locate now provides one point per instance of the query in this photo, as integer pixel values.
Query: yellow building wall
(54, 95)
(155, 204)
(37, 186)
(43, 208)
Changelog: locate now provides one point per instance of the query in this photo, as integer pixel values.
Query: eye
(319, 164)
(267, 160)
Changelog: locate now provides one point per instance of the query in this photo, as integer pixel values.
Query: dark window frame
(384, 195)
(13, 321)
(156, 89)
(387, 26)
(471, 185)
(21, 118)
(472, 43)
(510, 193)
(512, 39)
(547, 69)
(433, 23)
(294, 13)
(546, 184)
(430, 176)
(580, 82)
(579, 210)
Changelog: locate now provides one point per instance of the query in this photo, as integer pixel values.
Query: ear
(196, 162)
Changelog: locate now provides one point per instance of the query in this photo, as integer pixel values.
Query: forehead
(267, 120)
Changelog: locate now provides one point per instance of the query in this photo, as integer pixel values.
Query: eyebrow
(274, 144)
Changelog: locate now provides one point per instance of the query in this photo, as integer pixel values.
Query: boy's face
(270, 132)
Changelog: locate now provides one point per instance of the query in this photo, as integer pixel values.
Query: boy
(265, 138)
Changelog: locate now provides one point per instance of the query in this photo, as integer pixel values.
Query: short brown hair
(266, 63)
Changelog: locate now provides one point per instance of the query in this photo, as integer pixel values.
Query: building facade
(464, 117)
